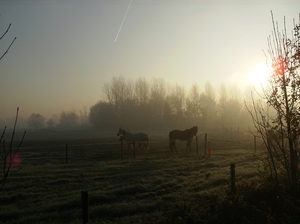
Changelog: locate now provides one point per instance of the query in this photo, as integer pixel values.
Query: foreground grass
(130, 191)
(157, 187)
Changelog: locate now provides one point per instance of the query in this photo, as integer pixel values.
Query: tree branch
(10, 43)
(5, 32)
(8, 48)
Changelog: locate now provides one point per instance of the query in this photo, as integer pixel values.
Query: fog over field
(68, 54)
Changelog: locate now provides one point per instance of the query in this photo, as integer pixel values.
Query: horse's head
(120, 132)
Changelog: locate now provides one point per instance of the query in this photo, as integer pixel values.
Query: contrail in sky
(123, 20)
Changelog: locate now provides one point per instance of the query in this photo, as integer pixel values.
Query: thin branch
(13, 134)
(11, 173)
(10, 43)
(5, 31)
(21, 141)
(8, 48)
(6, 172)
(2, 134)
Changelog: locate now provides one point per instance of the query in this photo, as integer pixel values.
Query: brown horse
(186, 135)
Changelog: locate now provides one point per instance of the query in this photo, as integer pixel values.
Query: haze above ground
(66, 50)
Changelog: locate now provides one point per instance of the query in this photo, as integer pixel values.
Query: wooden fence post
(85, 206)
(66, 153)
(133, 144)
(232, 174)
(205, 143)
(254, 143)
(197, 144)
(121, 149)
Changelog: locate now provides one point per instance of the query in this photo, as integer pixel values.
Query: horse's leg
(133, 146)
(171, 145)
(175, 146)
(187, 147)
(142, 146)
(129, 145)
(147, 143)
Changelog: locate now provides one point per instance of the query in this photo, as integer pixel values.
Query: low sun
(259, 75)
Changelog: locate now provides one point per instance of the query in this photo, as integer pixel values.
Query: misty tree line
(143, 104)
(66, 120)
(155, 104)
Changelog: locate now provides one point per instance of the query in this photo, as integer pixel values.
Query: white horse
(141, 138)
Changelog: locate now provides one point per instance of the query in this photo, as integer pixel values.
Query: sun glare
(259, 74)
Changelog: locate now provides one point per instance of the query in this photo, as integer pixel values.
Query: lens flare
(14, 160)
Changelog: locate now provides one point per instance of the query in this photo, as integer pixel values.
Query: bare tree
(281, 131)
(50, 124)
(107, 91)
(141, 90)
(68, 119)
(209, 91)
(36, 121)
(9, 155)
(222, 105)
(121, 89)
(193, 102)
(229, 107)
(83, 116)
(158, 95)
(208, 105)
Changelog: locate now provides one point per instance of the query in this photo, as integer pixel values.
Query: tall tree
(102, 115)
(209, 91)
(280, 132)
(141, 90)
(68, 119)
(157, 95)
(50, 124)
(222, 105)
(193, 102)
(178, 100)
(208, 105)
(83, 116)
(9, 156)
(229, 107)
(36, 121)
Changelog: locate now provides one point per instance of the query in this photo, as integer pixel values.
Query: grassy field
(156, 187)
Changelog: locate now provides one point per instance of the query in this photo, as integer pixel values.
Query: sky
(66, 50)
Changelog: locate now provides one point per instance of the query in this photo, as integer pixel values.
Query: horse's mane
(192, 130)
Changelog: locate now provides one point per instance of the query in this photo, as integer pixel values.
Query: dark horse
(186, 135)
